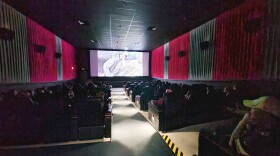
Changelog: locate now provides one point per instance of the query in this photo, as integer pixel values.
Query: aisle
(133, 131)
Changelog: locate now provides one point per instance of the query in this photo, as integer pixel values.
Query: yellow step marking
(172, 146)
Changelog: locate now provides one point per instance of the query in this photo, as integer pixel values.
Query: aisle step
(172, 146)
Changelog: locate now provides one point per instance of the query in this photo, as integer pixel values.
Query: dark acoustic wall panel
(82, 59)
(14, 62)
(201, 56)
(239, 53)
(178, 64)
(68, 61)
(158, 62)
(43, 66)
(272, 39)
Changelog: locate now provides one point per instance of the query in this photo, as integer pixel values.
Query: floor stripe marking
(172, 146)
(179, 153)
(176, 150)
(166, 140)
(182, 154)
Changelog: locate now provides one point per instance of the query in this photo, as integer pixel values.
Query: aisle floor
(133, 131)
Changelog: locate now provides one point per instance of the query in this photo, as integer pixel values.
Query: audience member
(258, 132)
(228, 101)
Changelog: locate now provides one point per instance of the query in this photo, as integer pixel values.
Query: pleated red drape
(43, 65)
(158, 62)
(178, 66)
(239, 53)
(68, 61)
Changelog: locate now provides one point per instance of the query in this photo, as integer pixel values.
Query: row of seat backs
(91, 90)
(90, 112)
(45, 114)
(55, 100)
(202, 96)
(34, 116)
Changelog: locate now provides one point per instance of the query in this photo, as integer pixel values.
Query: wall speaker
(204, 45)
(252, 25)
(39, 48)
(181, 53)
(57, 55)
(6, 34)
(167, 58)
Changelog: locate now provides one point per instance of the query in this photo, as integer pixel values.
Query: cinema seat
(91, 119)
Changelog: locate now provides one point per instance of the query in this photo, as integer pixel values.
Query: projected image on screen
(118, 63)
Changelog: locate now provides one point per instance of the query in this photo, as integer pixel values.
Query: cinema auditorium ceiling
(121, 24)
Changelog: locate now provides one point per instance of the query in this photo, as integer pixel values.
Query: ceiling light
(94, 41)
(151, 28)
(123, 3)
(83, 22)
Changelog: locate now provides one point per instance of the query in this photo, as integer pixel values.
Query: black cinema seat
(91, 119)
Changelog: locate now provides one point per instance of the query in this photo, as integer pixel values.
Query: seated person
(209, 100)
(238, 91)
(259, 131)
(189, 102)
(100, 95)
(160, 101)
(228, 101)
(147, 91)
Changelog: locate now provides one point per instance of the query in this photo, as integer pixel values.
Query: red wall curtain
(178, 66)
(239, 54)
(158, 62)
(43, 65)
(68, 61)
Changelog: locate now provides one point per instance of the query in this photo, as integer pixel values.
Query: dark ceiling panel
(117, 24)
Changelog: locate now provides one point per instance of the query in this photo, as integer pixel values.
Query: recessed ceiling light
(151, 28)
(123, 3)
(94, 41)
(83, 22)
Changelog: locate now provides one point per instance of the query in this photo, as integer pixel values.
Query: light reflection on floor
(131, 129)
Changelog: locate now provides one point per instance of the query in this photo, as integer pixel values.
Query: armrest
(154, 107)
(207, 146)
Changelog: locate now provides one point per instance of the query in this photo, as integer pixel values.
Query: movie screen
(119, 63)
